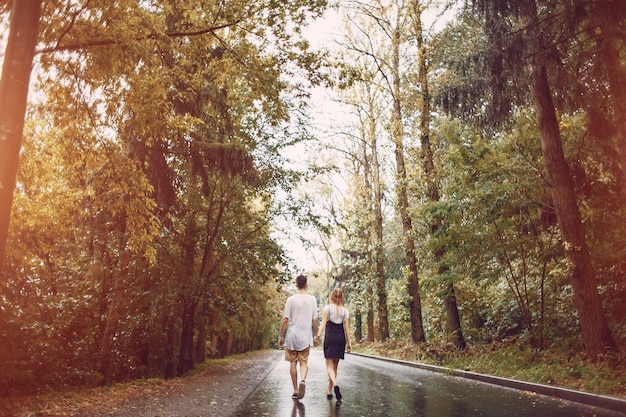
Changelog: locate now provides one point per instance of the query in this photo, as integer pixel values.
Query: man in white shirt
(300, 322)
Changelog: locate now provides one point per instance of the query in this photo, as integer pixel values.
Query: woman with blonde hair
(336, 325)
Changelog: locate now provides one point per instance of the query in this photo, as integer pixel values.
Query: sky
(325, 113)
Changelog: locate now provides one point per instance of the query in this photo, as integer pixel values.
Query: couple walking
(300, 316)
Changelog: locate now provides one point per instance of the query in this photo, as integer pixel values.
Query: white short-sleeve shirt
(300, 309)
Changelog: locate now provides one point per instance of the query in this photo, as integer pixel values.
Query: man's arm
(281, 333)
(316, 338)
(315, 324)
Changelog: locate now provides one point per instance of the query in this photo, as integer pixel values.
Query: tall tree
(595, 333)
(14, 85)
(390, 20)
(454, 331)
(378, 242)
(397, 134)
(358, 41)
(372, 196)
(610, 18)
(374, 257)
(378, 246)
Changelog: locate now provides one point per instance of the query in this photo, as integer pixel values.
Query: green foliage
(144, 203)
(498, 243)
(552, 367)
(474, 83)
(516, 360)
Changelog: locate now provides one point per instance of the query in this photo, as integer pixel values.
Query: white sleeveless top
(336, 314)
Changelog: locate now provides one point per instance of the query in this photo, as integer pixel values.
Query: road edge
(596, 400)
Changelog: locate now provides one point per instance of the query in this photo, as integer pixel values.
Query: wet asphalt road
(373, 388)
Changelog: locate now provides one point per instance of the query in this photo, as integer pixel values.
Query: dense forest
(152, 152)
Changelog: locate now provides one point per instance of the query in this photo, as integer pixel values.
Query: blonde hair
(336, 296)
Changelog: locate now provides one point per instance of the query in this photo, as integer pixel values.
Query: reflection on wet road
(373, 388)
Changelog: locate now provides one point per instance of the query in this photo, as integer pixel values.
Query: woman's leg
(336, 387)
(335, 365)
(331, 369)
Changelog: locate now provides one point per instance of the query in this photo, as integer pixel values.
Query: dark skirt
(334, 341)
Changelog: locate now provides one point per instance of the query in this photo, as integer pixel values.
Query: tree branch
(104, 42)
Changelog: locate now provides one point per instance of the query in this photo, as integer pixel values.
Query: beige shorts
(297, 355)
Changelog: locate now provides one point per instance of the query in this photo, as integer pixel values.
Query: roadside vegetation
(90, 401)
(516, 360)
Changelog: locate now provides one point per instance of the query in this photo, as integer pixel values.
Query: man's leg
(303, 359)
(292, 357)
(304, 369)
(293, 370)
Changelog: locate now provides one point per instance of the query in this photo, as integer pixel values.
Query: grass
(566, 369)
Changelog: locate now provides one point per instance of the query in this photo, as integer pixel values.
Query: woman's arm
(323, 325)
(346, 329)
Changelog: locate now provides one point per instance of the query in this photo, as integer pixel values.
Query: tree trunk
(371, 195)
(16, 70)
(615, 76)
(113, 316)
(170, 357)
(453, 320)
(230, 336)
(188, 297)
(245, 339)
(203, 334)
(417, 329)
(215, 330)
(595, 334)
(371, 328)
(185, 356)
(358, 325)
(381, 288)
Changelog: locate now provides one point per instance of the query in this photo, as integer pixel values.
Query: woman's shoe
(337, 393)
(329, 397)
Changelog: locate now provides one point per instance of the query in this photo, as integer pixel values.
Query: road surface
(373, 388)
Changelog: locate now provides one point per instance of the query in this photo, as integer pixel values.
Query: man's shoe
(301, 389)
